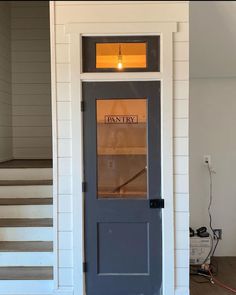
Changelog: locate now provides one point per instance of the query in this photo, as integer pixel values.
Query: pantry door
(123, 201)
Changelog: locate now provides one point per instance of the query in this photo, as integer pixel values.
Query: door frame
(165, 31)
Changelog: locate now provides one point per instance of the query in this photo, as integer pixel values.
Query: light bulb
(120, 65)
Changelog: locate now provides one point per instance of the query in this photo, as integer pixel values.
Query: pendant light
(119, 62)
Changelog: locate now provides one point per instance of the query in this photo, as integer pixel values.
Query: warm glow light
(121, 55)
(119, 65)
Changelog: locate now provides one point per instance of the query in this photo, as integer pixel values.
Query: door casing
(165, 30)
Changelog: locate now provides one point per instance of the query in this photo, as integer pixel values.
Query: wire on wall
(208, 275)
(211, 172)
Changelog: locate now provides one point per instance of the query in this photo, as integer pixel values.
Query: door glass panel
(122, 148)
(121, 55)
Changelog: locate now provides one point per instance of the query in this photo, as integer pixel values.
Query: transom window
(121, 54)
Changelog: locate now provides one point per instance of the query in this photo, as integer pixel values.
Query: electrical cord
(209, 254)
(215, 247)
(214, 268)
(213, 280)
(211, 171)
(204, 281)
(204, 278)
(215, 237)
(220, 284)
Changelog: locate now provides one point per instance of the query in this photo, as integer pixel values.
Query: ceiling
(212, 39)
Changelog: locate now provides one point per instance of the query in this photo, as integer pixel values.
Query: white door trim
(54, 142)
(165, 30)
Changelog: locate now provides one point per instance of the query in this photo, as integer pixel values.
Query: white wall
(212, 132)
(77, 11)
(5, 82)
(212, 53)
(212, 116)
(31, 95)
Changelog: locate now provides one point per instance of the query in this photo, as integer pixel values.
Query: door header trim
(127, 28)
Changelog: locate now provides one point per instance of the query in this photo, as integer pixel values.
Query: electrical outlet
(217, 234)
(207, 160)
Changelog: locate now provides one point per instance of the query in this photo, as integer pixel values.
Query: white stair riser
(26, 287)
(26, 234)
(26, 211)
(31, 191)
(26, 259)
(26, 174)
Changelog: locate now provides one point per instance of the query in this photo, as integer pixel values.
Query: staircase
(26, 233)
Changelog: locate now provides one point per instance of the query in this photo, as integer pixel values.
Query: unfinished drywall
(5, 82)
(31, 95)
(212, 132)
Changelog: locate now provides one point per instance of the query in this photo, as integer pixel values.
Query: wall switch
(207, 160)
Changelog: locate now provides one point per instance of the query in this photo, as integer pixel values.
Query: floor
(26, 164)
(226, 274)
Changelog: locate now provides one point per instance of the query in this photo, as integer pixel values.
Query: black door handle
(156, 203)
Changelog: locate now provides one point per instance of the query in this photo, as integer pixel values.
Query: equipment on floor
(191, 232)
(203, 247)
(199, 250)
(202, 232)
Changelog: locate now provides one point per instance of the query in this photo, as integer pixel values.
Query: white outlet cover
(207, 158)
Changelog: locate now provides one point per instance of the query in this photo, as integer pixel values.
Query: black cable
(209, 254)
(215, 247)
(203, 281)
(211, 198)
(209, 211)
(215, 268)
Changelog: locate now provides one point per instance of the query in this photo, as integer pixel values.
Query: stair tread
(25, 201)
(26, 246)
(25, 182)
(21, 163)
(26, 273)
(26, 222)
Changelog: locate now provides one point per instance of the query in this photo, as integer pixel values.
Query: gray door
(122, 162)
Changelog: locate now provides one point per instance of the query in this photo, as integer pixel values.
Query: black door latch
(156, 203)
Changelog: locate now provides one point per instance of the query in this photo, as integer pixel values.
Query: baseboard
(63, 291)
(182, 291)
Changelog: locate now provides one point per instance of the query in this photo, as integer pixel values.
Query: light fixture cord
(119, 50)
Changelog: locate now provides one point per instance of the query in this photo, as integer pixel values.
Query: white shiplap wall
(77, 11)
(5, 82)
(31, 95)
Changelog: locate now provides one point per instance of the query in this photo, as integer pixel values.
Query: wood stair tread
(27, 246)
(25, 201)
(21, 163)
(26, 222)
(26, 273)
(25, 182)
